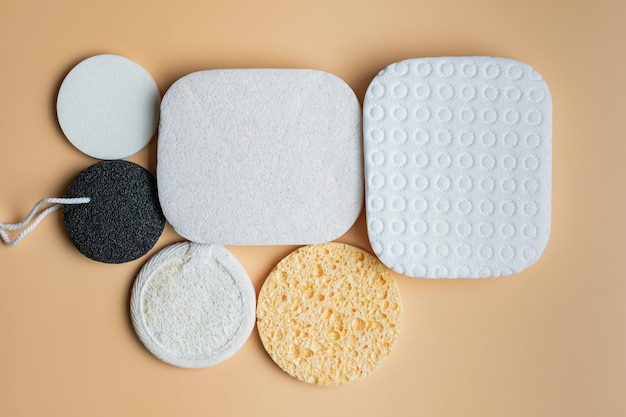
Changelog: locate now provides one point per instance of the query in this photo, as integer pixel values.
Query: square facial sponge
(260, 157)
(458, 165)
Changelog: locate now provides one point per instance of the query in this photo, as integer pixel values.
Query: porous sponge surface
(329, 314)
(458, 163)
(123, 220)
(260, 157)
(193, 305)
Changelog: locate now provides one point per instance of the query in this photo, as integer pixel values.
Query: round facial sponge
(108, 107)
(329, 314)
(193, 305)
(123, 221)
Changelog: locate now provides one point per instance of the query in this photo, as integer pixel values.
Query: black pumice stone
(123, 221)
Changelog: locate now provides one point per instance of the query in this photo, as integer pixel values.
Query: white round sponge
(108, 107)
(193, 305)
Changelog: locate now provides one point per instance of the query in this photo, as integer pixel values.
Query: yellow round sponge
(329, 314)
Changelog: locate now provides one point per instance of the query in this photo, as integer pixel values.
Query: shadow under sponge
(123, 221)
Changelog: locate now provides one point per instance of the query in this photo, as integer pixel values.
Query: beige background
(550, 341)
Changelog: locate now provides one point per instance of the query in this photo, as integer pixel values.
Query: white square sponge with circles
(458, 165)
(260, 157)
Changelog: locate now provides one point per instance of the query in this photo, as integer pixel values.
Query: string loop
(57, 204)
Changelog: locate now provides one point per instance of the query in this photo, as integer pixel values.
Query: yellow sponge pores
(329, 314)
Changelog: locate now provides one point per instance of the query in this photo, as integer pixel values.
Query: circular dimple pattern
(422, 114)
(492, 70)
(443, 160)
(512, 117)
(465, 206)
(376, 180)
(488, 139)
(398, 227)
(421, 182)
(490, 93)
(444, 114)
(487, 162)
(399, 113)
(464, 251)
(507, 208)
(398, 204)
(536, 95)
(509, 185)
(399, 159)
(420, 227)
(533, 140)
(421, 159)
(467, 115)
(514, 72)
(420, 204)
(510, 139)
(464, 229)
(376, 135)
(376, 203)
(377, 158)
(468, 92)
(465, 184)
(376, 113)
(445, 92)
(442, 205)
(375, 225)
(509, 162)
(445, 69)
(534, 117)
(464, 166)
(421, 136)
(486, 207)
(469, 69)
(442, 228)
(513, 94)
(422, 91)
(465, 160)
(398, 181)
(423, 69)
(376, 90)
(444, 137)
(400, 90)
(490, 116)
(419, 249)
(401, 68)
(467, 138)
(443, 183)
(399, 136)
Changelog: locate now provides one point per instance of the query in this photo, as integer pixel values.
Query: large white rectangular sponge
(260, 157)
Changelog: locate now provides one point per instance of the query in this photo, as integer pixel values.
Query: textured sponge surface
(260, 157)
(123, 221)
(193, 305)
(458, 162)
(108, 107)
(329, 314)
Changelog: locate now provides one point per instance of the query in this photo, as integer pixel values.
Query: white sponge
(458, 162)
(193, 305)
(260, 157)
(108, 107)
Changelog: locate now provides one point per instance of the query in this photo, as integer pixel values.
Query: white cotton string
(58, 203)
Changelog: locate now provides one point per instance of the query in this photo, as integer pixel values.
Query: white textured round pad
(108, 107)
(458, 163)
(260, 157)
(193, 305)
